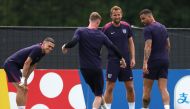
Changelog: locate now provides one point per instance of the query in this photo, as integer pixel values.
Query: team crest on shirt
(124, 31)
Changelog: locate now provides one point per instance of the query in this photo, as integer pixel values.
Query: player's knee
(162, 88)
(26, 90)
(22, 90)
(130, 89)
(146, 90)
(164, 91)
(109, 90)
(146, 96)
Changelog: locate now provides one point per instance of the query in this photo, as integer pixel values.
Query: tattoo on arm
(147, 49)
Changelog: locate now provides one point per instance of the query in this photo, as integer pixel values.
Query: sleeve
(107, 42)
(130, 32)
(104, 30)
(74, 40)
(110, 45)
(35, 53)
(147, 34)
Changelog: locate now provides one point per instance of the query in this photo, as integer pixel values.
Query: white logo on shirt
(112, 33)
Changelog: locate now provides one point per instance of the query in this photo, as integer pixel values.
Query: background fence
(15, 38)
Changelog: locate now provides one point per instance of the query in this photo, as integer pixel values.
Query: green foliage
(172, 13)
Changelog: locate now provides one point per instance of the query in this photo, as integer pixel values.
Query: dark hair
(95, 16)
(145, 11)
(49, 39)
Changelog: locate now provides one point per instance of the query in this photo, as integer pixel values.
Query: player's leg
(112, 72)
(14, 74)
(94, 78)
(21, 96)
(98, 88)
(97, 102)
(130, 94)
(162, 83)
(148, 81)
(147, 87)
(127, 77)
(108, 96)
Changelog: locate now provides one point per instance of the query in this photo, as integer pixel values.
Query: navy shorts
(94, 78)
(12, 71)
(114, 71)
(157, 69)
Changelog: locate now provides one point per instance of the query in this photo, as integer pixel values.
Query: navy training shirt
(19, 57)
(158, 34)
(90, 44)
(119, 36)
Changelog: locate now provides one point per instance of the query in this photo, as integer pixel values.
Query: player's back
(20, 56)
(90, 44)
(159, 36)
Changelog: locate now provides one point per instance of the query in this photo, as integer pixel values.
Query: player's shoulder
(107, 25)
(162, 25)
(36, 47)
(81, 29)
(102, 33)
(125, 23)
(147, 28)
(155, 25)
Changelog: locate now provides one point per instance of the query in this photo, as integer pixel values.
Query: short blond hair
(115, 8)
(95, 16)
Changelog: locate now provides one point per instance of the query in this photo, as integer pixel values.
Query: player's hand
(23, 83)
(64, 50)
(145, 68)
(132, 64)
(123, 63)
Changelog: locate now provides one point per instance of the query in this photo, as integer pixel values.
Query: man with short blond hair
(91, 40)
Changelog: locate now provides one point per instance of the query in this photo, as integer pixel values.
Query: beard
(117, 21)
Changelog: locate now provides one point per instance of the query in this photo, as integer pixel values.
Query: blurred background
(26, 22)
(172, 13)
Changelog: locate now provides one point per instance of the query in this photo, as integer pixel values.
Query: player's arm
(147, 51)
(118, 54)
(110, 45)
(68, 45)
(168, 45)
(72, 43)
(26, 69)
(32, 67)
(132, 52)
